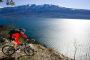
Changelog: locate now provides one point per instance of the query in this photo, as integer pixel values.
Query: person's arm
(24, 36)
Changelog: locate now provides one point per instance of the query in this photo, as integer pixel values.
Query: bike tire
(29, 51)
(10, 48)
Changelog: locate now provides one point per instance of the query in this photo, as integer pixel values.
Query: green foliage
(1, 0)
(12, 3)
(9, 2)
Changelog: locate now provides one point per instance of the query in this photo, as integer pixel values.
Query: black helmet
(22, 30)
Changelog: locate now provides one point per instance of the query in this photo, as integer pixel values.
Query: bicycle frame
(21, 46)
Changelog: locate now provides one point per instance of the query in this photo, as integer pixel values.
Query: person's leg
(15, 44)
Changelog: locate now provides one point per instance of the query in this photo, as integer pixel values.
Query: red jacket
(16, 36)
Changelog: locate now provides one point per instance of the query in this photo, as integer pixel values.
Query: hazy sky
(81, 4)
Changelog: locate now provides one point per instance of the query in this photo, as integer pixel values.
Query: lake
(64, 35)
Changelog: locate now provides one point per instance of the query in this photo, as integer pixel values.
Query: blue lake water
(61, 34)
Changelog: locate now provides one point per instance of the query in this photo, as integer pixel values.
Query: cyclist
(14, 36)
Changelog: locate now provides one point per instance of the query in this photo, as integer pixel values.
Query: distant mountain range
(49, 11)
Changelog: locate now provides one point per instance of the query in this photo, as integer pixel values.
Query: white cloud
(1, 7)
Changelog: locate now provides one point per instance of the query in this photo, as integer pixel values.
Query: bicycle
(10, 50)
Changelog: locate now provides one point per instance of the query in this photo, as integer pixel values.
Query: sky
(78, 4)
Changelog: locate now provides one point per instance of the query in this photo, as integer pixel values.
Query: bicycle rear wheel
(29, 51)
(8, 50)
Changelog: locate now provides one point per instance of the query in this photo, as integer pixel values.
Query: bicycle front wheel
(29, 51)
(8, 50)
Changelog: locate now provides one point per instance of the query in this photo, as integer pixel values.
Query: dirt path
(15, 56)
(41, 53)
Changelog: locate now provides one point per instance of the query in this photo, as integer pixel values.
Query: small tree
(9, 2)
(75, 51)
(1, 0)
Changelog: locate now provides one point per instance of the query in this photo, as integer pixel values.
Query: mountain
(49, 11)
